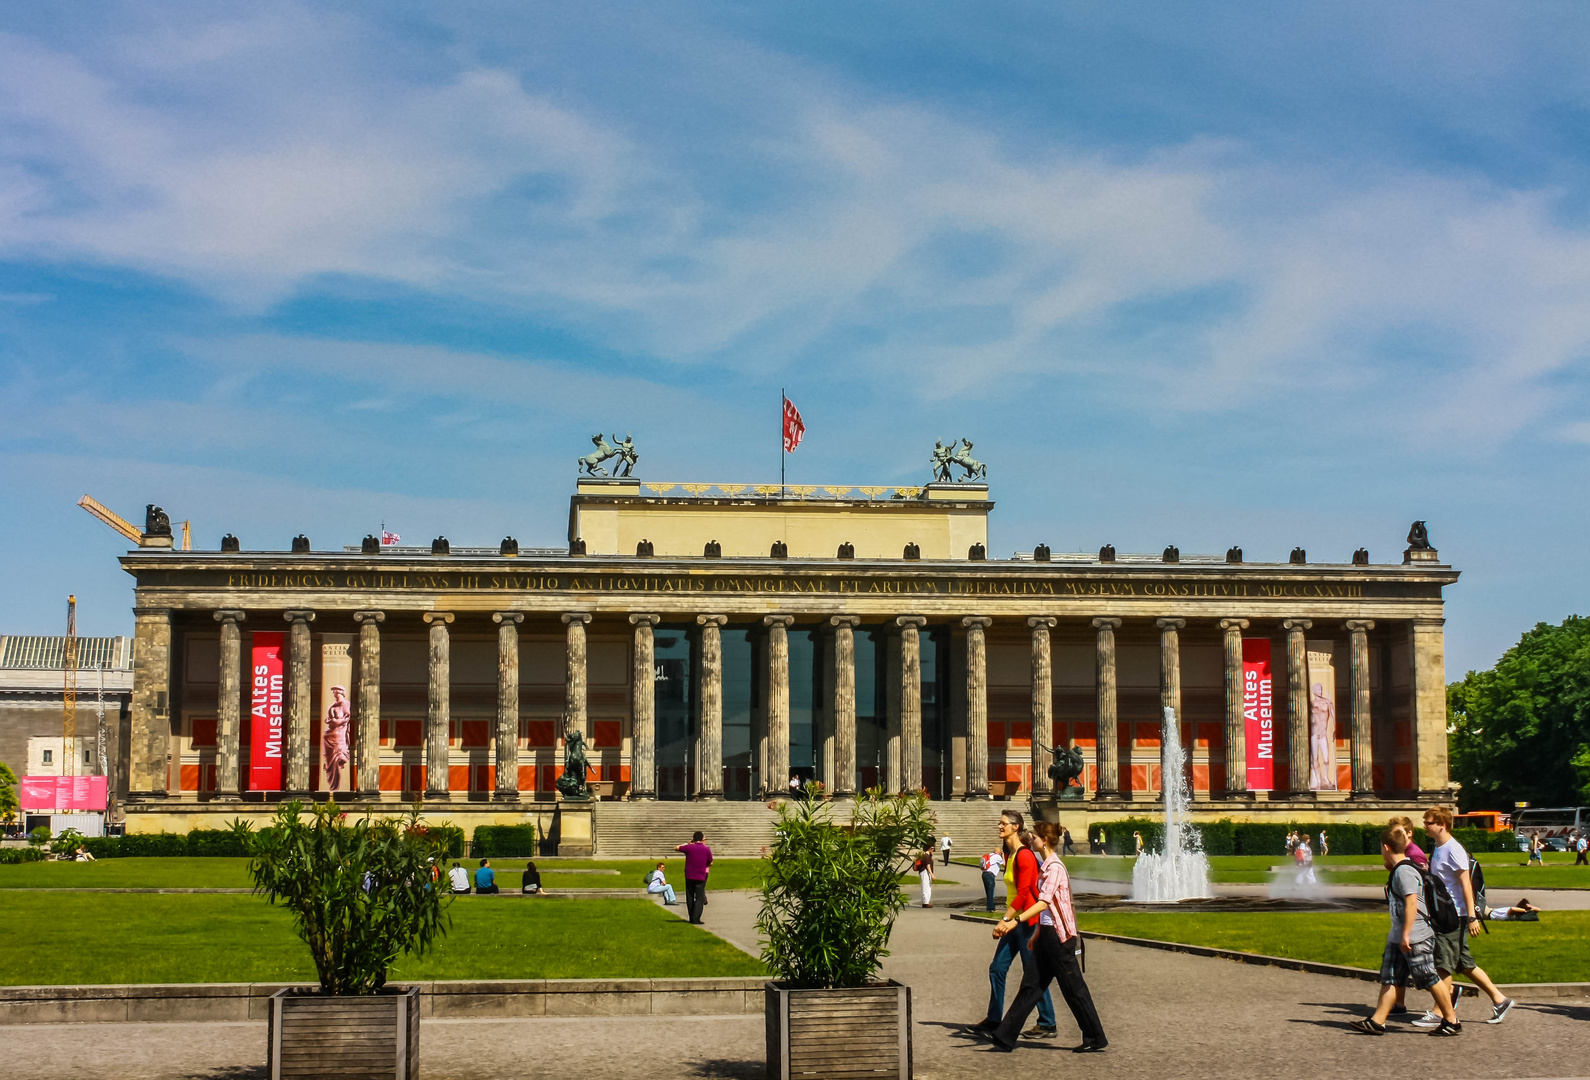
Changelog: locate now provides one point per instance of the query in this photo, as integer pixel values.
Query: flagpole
(782, 453)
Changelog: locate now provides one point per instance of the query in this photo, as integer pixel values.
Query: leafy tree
(8, 794)
(1521, 731)
(361, 894)
(830, 893)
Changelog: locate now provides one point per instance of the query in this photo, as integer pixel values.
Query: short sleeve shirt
(1405, 883)
(1446, 863)
(698, 857)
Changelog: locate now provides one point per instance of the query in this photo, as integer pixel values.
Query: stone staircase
(646, 830)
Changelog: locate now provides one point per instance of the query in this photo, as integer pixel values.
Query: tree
(8, 794)
(1520, 732)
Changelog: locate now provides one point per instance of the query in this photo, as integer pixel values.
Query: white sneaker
(1428, 1020)
(1499, 1012)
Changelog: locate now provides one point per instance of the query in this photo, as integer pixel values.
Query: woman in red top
(1021, 891)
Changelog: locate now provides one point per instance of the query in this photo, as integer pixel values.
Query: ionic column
(1236, 720)
(1108, 755)
(775, 782)
(844, 705)
(439, 717)
(976, 705)
(299, 708)
(1042, 702)
(1297, 698)
(1170, 665)
(506, 743)
(643, 708)
(711, 782)
(150, 749)
(368, 749)
(1426, 641)
(910, 701)
(1363, 752)
(228, 720)
(574, 696)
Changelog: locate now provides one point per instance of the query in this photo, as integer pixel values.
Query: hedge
(215, 843)
(21, 855)
(504, 842)
(1226, 837)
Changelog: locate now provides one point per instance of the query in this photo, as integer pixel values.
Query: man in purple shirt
(698, 864)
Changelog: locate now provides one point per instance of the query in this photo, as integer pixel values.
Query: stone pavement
(1167, 1015)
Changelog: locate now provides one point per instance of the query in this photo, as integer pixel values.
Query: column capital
(1107, 622)
(442, 617)
(644, 620)
(1171, 624)
(581, 617)
(1359, 626)
(711, 620)
(369, 616)
(786, 621)
(515, 617)
(1297, 624)
(850, 621)
(1044, 622)
(1233, 624)
(299, 616)
(980, 622)
(230, 615)
(152, 612)
(904, 621)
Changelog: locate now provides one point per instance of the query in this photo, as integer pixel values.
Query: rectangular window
(49, 757)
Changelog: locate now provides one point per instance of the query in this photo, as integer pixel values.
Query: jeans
(988, 888)
(1057, 960)
(695, 899)
(485, 890)
(1009, 946)
(666, 889)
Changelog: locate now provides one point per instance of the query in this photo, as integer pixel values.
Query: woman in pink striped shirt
(1056, 950)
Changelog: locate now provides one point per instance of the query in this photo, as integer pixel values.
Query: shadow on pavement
(231, 1072)
(723, 1069)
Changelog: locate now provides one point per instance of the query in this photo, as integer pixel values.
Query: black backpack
(1438, 905)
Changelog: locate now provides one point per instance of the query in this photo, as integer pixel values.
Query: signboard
(336, 713)
(62, 793)
(266, 724)
(1321, 716)
(1258, 713)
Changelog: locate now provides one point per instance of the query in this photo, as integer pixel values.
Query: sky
(1215, 274)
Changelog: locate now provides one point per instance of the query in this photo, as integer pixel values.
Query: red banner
(63, 793)
(1258, 712)
(266, 724)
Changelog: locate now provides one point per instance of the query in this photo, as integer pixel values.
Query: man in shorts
(1409, 956)
(1450, 862)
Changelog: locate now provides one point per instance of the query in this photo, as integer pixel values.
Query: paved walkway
(1167, 1015)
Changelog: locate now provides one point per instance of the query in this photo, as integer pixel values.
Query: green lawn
(1556, 949)
(65, 938)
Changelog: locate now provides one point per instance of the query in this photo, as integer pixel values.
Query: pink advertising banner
(63, 793)
(265, 713)
(1258, 712)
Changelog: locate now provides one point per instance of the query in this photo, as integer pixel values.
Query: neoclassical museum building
(728, 642)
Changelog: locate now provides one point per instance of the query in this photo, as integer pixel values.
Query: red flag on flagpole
(794, 426)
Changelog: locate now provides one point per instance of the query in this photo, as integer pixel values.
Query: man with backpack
(1451, 866)
(1409, 956)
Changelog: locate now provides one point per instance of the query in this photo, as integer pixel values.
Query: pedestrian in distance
(1581, 849)
(1535, 848)
(1324, 844)
(458, 880)
(1137, 838)
(1055, 947)
(1415, 852)
(1450, 862)
(993, 870)
(924, 872)
(946, 847)
(698, 864)
(1021, 888)
(1066, 847)
(1409, 955)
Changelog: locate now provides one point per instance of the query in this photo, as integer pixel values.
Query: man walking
(1582, 850)
(698, 864)
(1409, 955)
(1450, 862)
(946, 850)
(993, 869)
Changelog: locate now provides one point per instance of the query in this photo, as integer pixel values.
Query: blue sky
(1192, 274)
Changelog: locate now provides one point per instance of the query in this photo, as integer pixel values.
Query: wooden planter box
(351, 1038)
(839, 1034)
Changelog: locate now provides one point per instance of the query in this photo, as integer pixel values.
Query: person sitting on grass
(458, 880)
(657, 882)
(485, 879)
(530, 884)
(1409, 955)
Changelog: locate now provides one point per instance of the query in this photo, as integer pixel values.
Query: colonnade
(904, 758)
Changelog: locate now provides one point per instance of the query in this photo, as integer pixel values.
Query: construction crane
(69, 697)
(125, 527)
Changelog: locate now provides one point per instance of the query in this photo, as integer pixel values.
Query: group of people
(485, 883)
(1418, 951)
(1296, 841)
(1579, 845)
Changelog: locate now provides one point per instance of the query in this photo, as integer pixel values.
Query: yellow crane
(69, 697)
(122, 525)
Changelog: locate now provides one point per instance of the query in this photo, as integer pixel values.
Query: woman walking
(1056, 948)
(1021, 889)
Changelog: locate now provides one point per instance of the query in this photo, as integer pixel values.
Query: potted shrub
(362, 894)
(830, 894)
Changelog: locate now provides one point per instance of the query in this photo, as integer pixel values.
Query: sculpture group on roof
(628, 456)
(955, 454)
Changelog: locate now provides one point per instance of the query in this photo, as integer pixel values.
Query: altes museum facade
(719, 642)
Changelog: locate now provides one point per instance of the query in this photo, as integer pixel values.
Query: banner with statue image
(336, 712)
(1321, 716)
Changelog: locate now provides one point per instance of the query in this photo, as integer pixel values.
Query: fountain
(1180, 870)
